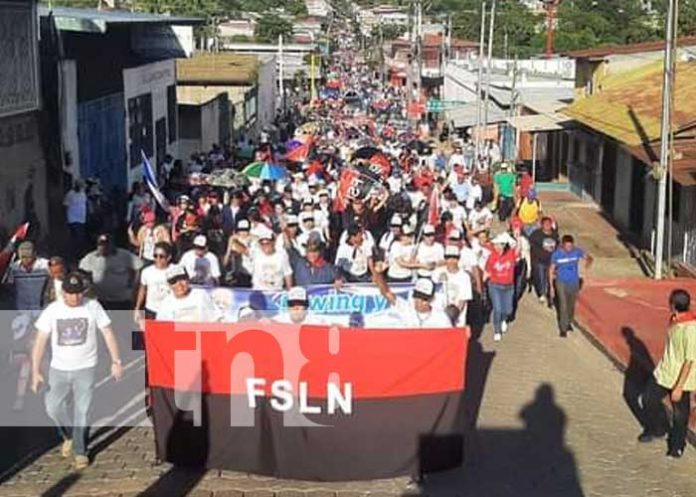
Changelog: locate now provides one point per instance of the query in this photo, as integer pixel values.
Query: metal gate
(102, 136)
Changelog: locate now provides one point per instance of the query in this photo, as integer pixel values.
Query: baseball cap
(428, 229)
(407, 229)
(26, 249)
(243, 225)
(396, 220)
(452, 251)
(503, 239)
(200, 241)
(74, 283)
(175, 273)
(424, 289)
(104, 239)
(306, 216)
(291, 220)
(265, 235)
(297, 296)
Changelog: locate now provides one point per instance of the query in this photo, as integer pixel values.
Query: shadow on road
(62, 485)
(638, 373)
(530, 462)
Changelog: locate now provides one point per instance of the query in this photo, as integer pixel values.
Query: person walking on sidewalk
(675, 376)
(564, 280)
(500, 273)
(71, 325)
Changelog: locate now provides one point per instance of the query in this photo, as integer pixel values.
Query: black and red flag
(309, 402)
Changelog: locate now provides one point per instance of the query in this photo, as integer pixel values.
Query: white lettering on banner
(282, 399)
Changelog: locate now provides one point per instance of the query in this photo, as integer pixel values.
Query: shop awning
(538, 122)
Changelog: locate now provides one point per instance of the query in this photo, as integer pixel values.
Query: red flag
(298, 154)
(434, 207)
(20, 233)
(383, 163)
(345, 184)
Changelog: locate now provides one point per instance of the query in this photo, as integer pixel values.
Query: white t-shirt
(457, 285)
(76, 207)
(269, 271)
(405, 313)
(155, 280)
(73, 332)
(196, 307)
(357, 257)
(201, 270)
(458, 215)
(398, 251)
(426, 254)
(468, 259)
(479, 219)
(475, 195)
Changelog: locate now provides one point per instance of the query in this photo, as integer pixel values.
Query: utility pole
(482, 42)
(419, 42)
(281, 83)
(488, 64)
(665, 134)
(448, 50)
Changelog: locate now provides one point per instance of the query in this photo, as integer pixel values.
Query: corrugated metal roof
(629, 108)
(96, 21)
(217, 69)
(465, 115)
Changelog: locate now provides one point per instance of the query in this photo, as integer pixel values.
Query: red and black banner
(310, 402)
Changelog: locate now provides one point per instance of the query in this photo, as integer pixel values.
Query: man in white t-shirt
(480, 219)
(186, 304)
(270, 265)
(456, 283)
(71, 325)
(430, 253)
(201, 264)
(354, 257)
(458, 212)
(388, 238)
(417, 312)
(75, 203)
(475, 193)
(154, 288)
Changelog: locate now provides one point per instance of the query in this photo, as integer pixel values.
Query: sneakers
(497, 337)
(675, 453)
(647, 437)
(504, 326)
(81, 462)
(66, 449)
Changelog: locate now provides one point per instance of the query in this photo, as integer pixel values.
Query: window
(172, 118)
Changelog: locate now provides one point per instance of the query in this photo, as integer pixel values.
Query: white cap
(424, 288)
(243, 224)
(175, 271)
(503, 239)
(297, 294)
(455, 235)
(266, 234)
(396, 220)
(306, 216)
(323, 192)
(452, 251)
(200, 241)
(291, 219)
(428, 229)
(407, 229)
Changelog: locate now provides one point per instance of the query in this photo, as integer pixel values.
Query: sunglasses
(161, 256)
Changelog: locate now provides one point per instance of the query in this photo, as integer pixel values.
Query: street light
(550, 6)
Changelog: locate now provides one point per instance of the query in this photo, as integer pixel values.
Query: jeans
(502, 297)
(505, 207)
(567, 293)
(655, 417)
(61, 384)
(541, 279)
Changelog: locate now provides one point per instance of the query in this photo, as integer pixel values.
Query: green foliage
(389, 31)
(270, 26)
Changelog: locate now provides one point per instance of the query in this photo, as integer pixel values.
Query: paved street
(552, 421)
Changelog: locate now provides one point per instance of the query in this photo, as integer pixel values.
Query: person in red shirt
(500, 274)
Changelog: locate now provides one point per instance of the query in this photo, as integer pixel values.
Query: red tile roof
(605, 51)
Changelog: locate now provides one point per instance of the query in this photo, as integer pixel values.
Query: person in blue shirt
(564, 279)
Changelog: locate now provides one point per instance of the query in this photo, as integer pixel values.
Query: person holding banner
(354, 258)
(418, 311)
(186, 304)
(270, 265)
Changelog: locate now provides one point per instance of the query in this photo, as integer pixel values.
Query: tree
(389, 31)
(271, 26)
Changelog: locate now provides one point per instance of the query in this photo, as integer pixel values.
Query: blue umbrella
(264, 170)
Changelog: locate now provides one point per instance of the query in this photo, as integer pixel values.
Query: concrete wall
(23, 173)
(210, 124)
(268, 92)
(154, 79)
(69, 118)
(622, 192)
